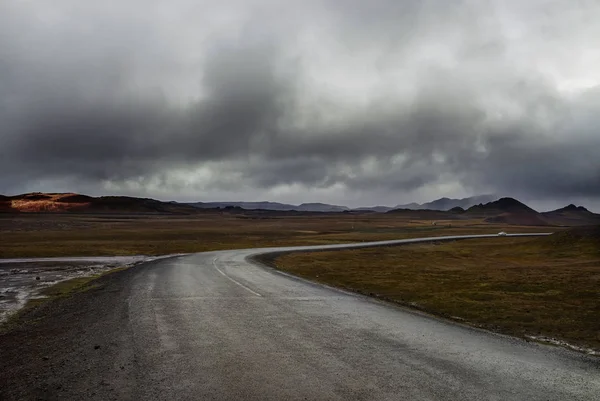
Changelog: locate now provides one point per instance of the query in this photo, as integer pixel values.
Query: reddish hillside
(38, 202)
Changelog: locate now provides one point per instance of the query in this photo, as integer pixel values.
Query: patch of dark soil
(46, 349)
(75, 198)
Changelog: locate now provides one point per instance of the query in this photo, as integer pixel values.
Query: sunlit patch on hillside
(42, 202)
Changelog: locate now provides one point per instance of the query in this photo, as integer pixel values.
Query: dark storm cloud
(105, 132)
(197, 100)
(565, 165)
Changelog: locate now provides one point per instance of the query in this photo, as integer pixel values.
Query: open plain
(221, 325)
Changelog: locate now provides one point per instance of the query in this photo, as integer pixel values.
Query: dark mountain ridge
(510, 211)
(501, 211)
(571, 215)
(265, 205)
(502, 205)
(448, 203)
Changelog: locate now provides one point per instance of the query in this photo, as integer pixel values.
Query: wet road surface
(22, 279)
(214, 326)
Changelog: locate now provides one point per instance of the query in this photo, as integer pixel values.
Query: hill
(448, 203)
(245, 205)
(504, 211)
(502, 205)
(427, 214)
(571, 216)
(377, 209)
(264, 205)
(507, 211)
(510, 211)
(410, 206)
(321, 207)
(38, 202)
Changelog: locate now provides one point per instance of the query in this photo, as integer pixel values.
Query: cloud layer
(352, 102)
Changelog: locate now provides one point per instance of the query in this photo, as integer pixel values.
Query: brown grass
(520, 286)
(84, 235)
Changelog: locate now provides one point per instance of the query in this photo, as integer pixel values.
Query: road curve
(216, 326)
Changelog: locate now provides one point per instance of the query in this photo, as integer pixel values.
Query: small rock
(37, 277)
(45, 358)
(96, 347)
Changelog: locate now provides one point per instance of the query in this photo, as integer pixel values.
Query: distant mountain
(305, 207)
(38, 202)
(507, 211)
(501, 211)
(410, 206)
(570, 209)
(245, 205)
(503, 205)
(378, 209)
(504, 211)
(321, 207)
(571, 216)
(426, 214)
(447, 203)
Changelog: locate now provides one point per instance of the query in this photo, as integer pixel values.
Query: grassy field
(46, 235)
(543, 287)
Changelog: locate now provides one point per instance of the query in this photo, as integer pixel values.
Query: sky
(351, 102)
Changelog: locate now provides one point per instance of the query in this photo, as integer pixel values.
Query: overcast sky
(351, 102)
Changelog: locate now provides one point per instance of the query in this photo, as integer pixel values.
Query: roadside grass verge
(519, 286)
